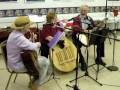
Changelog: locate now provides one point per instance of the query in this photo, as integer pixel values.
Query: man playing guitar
(84, 24)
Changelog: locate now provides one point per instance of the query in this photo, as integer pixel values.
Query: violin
(33, 34)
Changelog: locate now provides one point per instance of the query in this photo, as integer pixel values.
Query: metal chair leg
(94, 52)
(8, 81)
(30, 82)
(15, 77)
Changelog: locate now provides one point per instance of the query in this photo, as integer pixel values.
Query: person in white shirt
(17, 42)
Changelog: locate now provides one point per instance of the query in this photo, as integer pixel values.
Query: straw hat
(21, 22)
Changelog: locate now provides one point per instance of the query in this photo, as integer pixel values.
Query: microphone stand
(113, 67)
(86, 71)
(75, 87)
(110, 67)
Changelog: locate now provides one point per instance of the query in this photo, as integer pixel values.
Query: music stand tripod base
(112, 68)
(75, 87)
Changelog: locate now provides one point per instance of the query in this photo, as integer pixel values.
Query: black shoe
(100, 61)
(83, 66)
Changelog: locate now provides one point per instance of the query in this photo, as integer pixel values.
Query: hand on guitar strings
(61, 44)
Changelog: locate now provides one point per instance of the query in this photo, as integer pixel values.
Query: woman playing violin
(49, 30)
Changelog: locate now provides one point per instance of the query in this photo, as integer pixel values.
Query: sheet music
(55, 39)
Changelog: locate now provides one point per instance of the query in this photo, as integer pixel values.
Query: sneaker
(100, 61)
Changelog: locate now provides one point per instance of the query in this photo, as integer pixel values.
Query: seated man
(82, 24)
(17, 42)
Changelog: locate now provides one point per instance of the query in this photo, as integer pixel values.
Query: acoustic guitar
(87, 38)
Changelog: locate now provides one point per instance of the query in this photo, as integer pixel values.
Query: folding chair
(31, 70)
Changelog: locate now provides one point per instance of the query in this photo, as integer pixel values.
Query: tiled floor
(112, 78)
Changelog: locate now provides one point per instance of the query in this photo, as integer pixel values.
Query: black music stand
(99, 42)
(86, 71)
(75, 87)
(51, 45)
(115, 39)
(103, 36)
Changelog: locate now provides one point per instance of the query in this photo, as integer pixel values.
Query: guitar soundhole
(65, 55)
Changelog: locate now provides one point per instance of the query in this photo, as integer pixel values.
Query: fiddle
(33, 34)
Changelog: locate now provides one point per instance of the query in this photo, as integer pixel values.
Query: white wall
(48, 3)
(21, 4)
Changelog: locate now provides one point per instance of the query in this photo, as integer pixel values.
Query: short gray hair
(84, 7)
